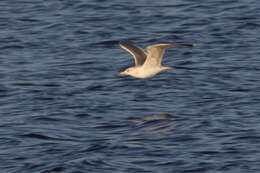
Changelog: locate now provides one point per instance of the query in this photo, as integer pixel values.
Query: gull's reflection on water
(159, 123)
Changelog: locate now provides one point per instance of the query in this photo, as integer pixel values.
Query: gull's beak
(122, 73)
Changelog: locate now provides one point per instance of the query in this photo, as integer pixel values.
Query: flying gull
(147, 64)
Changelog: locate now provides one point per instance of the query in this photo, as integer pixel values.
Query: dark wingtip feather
(126, 42)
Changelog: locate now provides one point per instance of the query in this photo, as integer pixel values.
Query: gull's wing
(155, 53)
(137, 52)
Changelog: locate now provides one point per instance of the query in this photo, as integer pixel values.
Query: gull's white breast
(147, 72)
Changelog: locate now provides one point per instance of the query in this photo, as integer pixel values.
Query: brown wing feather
(137, 52)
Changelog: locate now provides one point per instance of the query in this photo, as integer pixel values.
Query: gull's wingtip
(125, 42)
(121, 43)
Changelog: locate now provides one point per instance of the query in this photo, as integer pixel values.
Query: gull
(147, 64)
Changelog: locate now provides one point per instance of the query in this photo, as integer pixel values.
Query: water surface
(64, 108)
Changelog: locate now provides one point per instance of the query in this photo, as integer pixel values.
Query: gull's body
(147, 64)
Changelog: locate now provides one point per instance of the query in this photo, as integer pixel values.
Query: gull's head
(129, 71)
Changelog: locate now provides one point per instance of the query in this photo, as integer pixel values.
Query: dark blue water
(64, 108)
